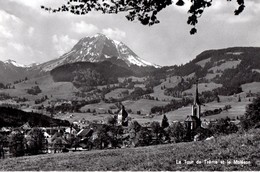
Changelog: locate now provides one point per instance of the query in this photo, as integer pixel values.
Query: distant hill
(231, 67)
(15, 118)
(89, 74)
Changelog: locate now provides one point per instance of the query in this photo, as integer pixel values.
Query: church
(193, 121)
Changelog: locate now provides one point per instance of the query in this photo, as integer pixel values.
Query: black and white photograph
(129, 85)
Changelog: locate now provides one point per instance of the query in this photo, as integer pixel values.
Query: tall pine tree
(165, 122)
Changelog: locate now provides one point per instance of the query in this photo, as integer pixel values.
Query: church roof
(191, 118)
(123, 112)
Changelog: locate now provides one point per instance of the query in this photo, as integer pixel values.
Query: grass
(59, 90)
(229, 148)
(170, 82)
(117, 93)
(203, 87)
(254, 87)
(226, 65)
(238, 109)
(202, 63)
(142, 105)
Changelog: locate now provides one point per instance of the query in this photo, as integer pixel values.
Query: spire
(196, 98)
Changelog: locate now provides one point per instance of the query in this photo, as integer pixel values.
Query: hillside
(225, 153)
(16, 118)
(89, 74)
(230, 67)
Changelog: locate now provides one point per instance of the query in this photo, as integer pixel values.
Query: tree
(16, 143)
(223, 126)
(103, 138)
(145, 11)
(165, 122)
(35, 141)
(143, 137)
(2, 153)
(252, 115)
(111, 120)
(134, 127)
(239, 98)
(157, 130)
(177, 131)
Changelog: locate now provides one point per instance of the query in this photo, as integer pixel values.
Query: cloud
(36, 4)
(114, 34)
(16, 46)
(2, 50)
(84, 28)
(30, 31)
(5, 33)
(8, 24)
(62, 43)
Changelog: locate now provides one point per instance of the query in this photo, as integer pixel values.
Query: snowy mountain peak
(96, 49)
(12, 62)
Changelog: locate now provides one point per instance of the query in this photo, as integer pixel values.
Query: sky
(29, 34)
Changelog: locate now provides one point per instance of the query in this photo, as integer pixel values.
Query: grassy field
(203, 87)
(232, 152)
(59, 90)
(117, 93)
(238, 109)
(170, 82)
(254, 87)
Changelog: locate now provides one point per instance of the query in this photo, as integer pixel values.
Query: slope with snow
(96, 49)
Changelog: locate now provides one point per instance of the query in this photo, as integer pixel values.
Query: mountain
(11, 71)
(96, 49)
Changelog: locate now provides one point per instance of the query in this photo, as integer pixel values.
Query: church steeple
(196, 98)
(196, 105)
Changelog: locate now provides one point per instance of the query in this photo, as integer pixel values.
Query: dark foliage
(143, 137)
(223, 126)
(16, 143)
(15, 118)
(35, 141)
(34, 90)
(252, 116)
(165, 122)
(144, 11)
(86, 74)
(177, 131)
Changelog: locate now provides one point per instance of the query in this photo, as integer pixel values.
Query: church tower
(193, 121)
(196, 107)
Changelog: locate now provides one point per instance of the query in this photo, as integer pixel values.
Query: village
(116, 131)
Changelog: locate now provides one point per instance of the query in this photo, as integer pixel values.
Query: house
(26, 127)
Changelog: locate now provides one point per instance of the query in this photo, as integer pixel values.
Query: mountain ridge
(96, 49)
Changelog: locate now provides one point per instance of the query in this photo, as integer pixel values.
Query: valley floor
(232, 152)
